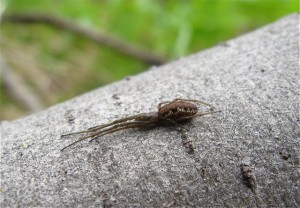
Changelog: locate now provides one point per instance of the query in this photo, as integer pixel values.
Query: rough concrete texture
(245, 156)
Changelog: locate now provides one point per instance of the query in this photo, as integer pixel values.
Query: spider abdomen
(177, 110)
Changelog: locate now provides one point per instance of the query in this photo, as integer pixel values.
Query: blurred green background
(55, 64)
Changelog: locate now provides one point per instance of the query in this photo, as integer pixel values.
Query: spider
(170, 112)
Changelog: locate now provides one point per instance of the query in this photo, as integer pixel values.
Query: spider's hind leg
(186, 100)
(180, 127)
(196, 115)
(192, 100)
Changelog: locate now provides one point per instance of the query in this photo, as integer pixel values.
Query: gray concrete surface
(253, 79)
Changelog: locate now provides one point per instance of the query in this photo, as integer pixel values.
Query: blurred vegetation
(57, 64)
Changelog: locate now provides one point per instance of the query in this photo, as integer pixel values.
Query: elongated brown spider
(170, 112)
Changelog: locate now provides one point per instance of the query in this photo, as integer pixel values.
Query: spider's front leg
(102, 126)
(111, 129)
(95, 128)
(119, 127)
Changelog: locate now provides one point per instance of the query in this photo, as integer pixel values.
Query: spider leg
(195, 101)
(78, 132)
(162, 103)
(98, 127)
(115, 122)
(188, 100)
(196, 115)
(114, 128)
(176, 124)
(122, 128)
(117, 126)
(79, 140)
